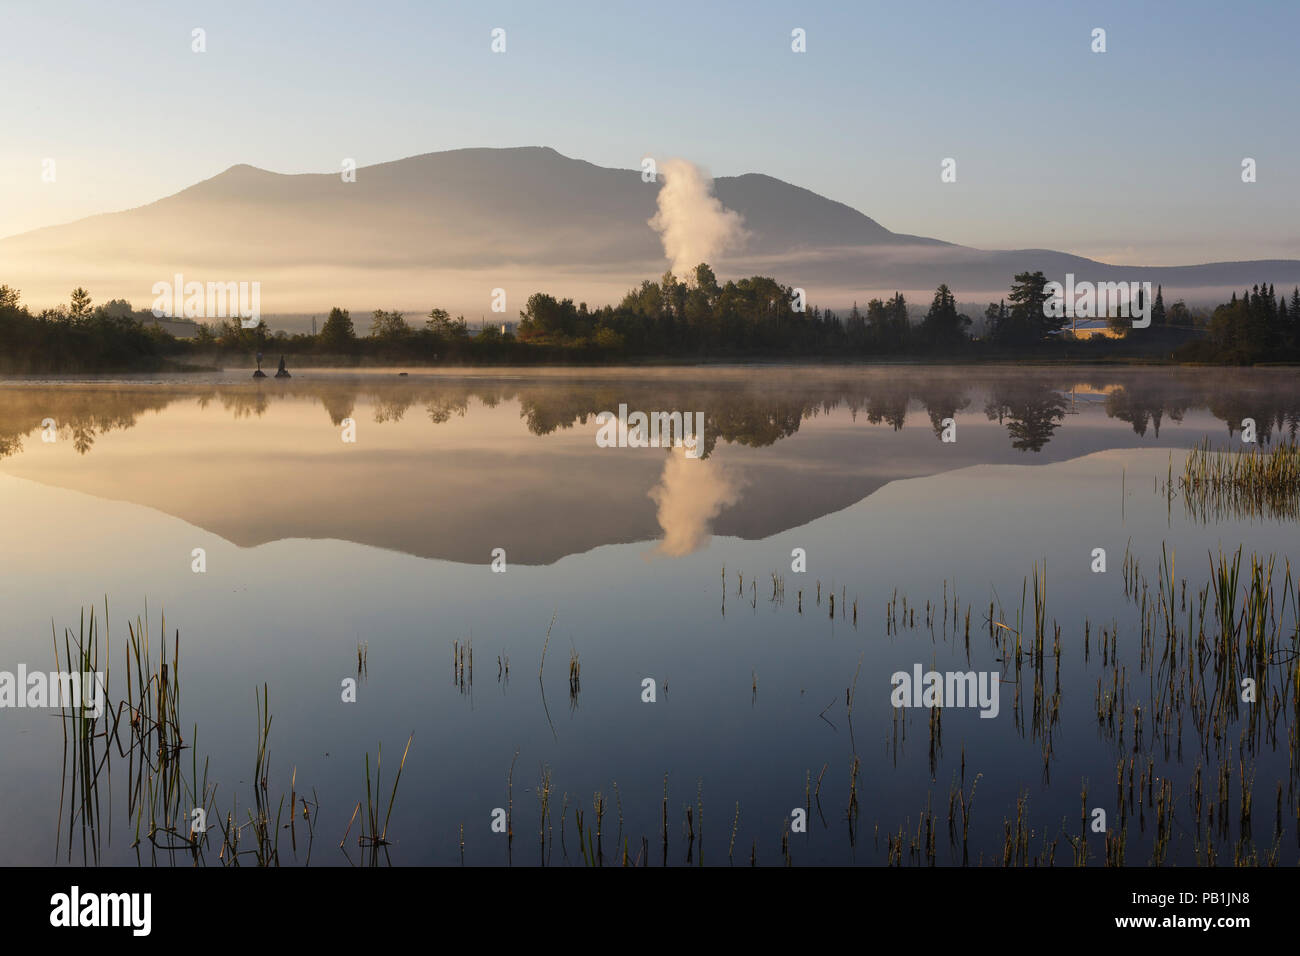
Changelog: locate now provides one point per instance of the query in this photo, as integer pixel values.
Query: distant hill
(447, 228)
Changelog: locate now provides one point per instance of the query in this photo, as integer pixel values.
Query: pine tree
(899, 326)
(1158, 308)
(337, 332)
(942, 326)
(1294, 324)
(80, 308)
(856, 326)
(1028, 307)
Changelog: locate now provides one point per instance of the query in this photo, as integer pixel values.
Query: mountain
(447, 228)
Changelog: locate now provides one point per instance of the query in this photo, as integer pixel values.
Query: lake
(694, 648)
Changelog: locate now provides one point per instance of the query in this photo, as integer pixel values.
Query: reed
(575, 678)
(1251, 483)
(544, 824)
(1179, 658)
(374, 832)
(735, 826)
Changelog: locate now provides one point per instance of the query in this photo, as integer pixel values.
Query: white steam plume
(693, 225)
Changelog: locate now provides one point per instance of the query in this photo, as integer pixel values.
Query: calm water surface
(314, 544)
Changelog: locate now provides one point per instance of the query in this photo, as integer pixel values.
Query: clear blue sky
(1131, 156)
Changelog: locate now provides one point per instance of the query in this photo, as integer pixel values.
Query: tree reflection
(755, 413)
(1031, 412)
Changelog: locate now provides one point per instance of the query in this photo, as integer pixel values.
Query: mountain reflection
(450, 466)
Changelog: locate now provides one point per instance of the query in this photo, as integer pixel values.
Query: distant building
(1088, 328)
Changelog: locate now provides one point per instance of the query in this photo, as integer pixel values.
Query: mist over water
(313, 545)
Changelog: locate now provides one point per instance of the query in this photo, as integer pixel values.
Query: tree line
(693, 318)
(1260, 326)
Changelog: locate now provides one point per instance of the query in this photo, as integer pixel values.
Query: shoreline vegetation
(669, 322)
(1199, 779)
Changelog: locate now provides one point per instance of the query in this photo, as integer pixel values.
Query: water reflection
(761, 412)
(445, 463)
(689, 496)
(899, 572)
(1031, 412)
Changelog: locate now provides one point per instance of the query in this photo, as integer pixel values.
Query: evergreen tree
(942, 327)
(1283, 325)
(991, 321)
(80, 307)
(856, 327)
(337, 332)
(1294, 324)
(877, 325)
(900, 328)
(1029, 319)
(1158, 308)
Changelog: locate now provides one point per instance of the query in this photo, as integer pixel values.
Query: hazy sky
(1131, 156)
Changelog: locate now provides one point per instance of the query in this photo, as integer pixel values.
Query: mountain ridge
(450, 226)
